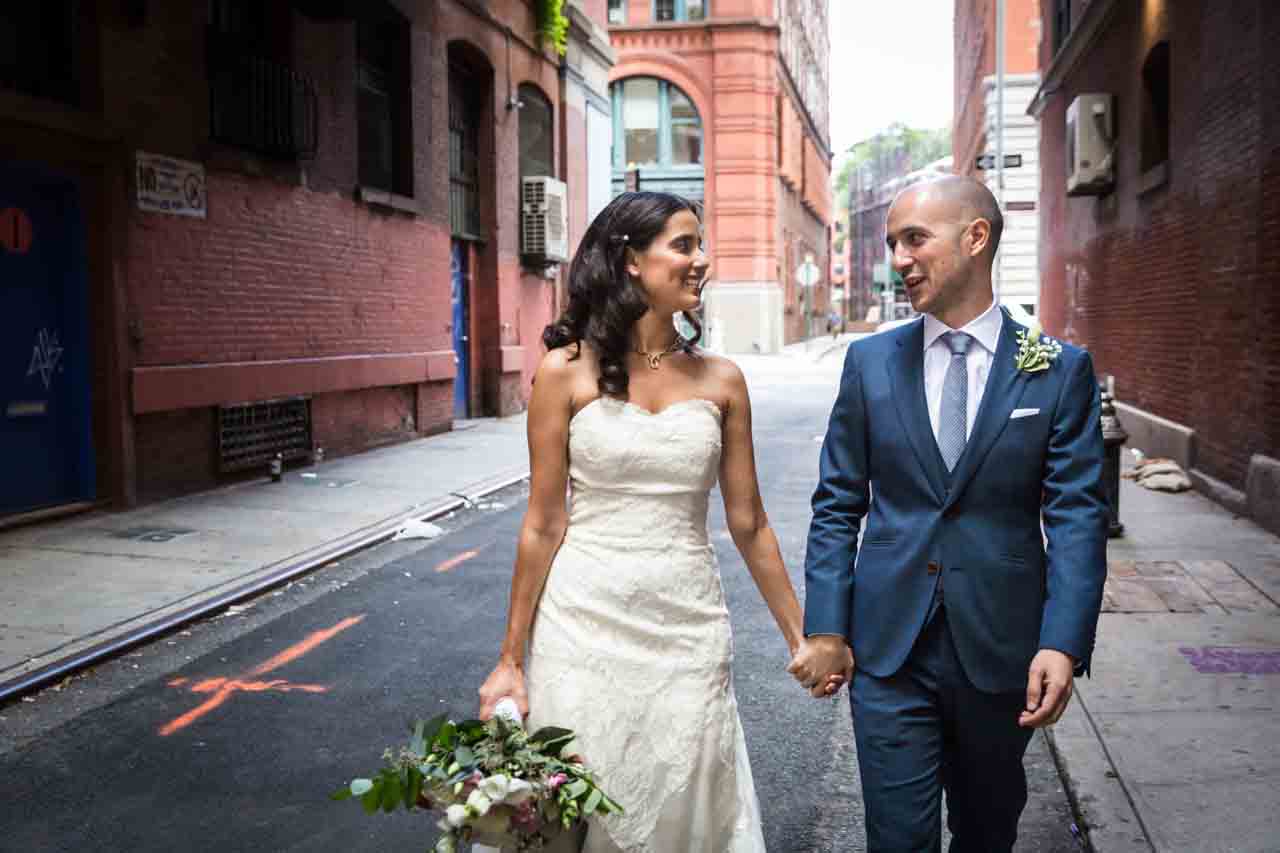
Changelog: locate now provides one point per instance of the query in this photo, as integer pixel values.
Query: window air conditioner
(544, 222)
(1090, 145)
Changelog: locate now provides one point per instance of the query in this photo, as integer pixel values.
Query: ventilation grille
(544, 225)
(250, 435)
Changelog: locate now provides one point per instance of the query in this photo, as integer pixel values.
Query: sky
(890, 61)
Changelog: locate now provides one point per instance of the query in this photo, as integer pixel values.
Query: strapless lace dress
(631, 645)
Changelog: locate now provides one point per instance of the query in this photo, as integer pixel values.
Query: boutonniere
(1035, 351)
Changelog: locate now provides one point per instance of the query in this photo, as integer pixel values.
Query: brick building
(1164, 260)
(726, 101)
(241, 227)
(976, 131)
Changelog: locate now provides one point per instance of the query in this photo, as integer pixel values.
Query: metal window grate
(251, 434)
(260, 105)
(464, 155)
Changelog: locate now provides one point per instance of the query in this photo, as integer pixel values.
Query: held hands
(822, 665)
(1049, 686)
(507, 679)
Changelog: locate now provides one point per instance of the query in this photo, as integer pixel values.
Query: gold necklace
(655, 358)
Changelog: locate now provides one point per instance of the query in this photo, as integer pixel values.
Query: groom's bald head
(965, 199)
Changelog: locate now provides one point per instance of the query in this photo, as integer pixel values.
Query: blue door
(461, 325)
(46, 450)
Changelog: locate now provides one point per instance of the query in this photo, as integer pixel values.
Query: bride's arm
(744, 510)
(550, 408)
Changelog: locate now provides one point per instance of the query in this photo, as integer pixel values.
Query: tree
(891, 152)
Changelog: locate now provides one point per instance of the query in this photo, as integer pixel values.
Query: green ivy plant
(553, 26)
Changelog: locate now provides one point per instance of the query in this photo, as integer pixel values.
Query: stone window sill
(387, 200)
(1154, 178)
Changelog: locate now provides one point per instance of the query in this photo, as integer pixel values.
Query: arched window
(655, 125)
(537, 153)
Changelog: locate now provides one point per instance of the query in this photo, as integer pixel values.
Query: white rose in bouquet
(518, 791)
(495, 787)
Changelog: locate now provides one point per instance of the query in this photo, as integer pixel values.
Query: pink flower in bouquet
(526, 818)
(472, 782)
(555, 780)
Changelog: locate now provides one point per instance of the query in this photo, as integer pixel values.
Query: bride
(617, 596)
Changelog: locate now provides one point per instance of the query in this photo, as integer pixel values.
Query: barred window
(465, 111)
(39, 53)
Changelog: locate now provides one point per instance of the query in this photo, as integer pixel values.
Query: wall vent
(251, 434)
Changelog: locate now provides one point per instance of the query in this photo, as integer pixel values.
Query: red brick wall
(1177, 291)
(350, 421)
(279, 272)
(290, 264)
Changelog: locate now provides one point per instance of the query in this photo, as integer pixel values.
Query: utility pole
(999, 126)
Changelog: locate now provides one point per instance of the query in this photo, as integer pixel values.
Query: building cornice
(591, 36)
(1082, 37)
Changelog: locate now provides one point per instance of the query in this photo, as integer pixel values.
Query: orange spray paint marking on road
(454, 562)
(223, 688)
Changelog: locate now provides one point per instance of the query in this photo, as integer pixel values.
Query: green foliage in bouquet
(494, 782)
(553, 26)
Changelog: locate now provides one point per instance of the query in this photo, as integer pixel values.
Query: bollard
(277, 467)
(1113, 436)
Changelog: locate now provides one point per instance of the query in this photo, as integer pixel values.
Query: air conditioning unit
(1091, 145)
(544, 219)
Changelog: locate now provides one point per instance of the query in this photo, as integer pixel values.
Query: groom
(965, 631)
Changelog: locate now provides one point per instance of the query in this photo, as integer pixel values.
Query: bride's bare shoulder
(566, 376)
(723, 372)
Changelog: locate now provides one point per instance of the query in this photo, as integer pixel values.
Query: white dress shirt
(985, 331)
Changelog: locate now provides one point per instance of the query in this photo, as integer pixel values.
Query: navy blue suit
(937, 690)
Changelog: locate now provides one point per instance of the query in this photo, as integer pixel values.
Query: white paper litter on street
(415, 529)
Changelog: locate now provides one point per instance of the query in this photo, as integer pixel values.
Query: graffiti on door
(46, 356)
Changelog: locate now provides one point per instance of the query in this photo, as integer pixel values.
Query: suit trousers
(926, 729)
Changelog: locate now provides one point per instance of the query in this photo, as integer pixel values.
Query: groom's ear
(978, 237)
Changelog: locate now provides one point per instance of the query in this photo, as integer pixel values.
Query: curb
(268, 577)
(1103, 805)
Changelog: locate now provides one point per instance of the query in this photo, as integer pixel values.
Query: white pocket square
(1023, 413)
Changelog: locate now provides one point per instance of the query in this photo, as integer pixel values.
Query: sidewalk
(820, 346)
(72, 585)
(1171, 744)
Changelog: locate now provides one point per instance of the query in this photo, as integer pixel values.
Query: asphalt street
(230, 735)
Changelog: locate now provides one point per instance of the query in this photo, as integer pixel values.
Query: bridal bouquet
(493, 782)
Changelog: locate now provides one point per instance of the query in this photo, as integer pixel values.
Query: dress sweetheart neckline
(627, 404)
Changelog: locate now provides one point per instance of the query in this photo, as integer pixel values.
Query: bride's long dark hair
(604, 304)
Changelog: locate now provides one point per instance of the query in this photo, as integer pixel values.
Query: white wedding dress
(631, 646)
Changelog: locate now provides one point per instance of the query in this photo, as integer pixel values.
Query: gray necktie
(955, 400)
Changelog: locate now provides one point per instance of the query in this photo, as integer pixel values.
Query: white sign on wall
(169, 185)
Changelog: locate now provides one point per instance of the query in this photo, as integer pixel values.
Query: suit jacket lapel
(906, 379)
(1005, 384)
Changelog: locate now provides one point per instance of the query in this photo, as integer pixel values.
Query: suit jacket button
(951, 513)
(934, 568)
